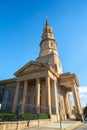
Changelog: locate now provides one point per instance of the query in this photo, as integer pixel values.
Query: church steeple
(48, 43)
(48, 49)
(47, 31)
(47, 23)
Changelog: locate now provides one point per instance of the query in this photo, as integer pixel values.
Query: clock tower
(48, 49)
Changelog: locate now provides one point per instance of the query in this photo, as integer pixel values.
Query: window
(46, 30)
(56, 67)
(40, 90)
(5, 99)
(45, 35)
(35, 91)
(1, 95)
(51, 44)
(45, 44)
(20, 94)
(49, 30)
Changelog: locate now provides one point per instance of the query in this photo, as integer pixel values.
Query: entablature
(68, 80)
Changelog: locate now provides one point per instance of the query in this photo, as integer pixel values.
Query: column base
(54, 118)
(79, 117)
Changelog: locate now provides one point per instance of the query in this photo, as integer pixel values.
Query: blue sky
(21, 24)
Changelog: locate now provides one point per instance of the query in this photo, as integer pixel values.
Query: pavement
(82, 127)
(65, 125)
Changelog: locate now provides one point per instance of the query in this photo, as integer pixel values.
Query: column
(75, 98)
(24, 95)
(77, 106)
(79, 100)
(15, 97)
(38, 95)
(68, 105)
(63, 106)
(56, 102)
(48, 95)
(55, 96)
(80, 107)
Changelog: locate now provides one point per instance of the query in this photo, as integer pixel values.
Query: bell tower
(48, 49)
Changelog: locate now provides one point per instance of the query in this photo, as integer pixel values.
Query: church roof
(8, 80)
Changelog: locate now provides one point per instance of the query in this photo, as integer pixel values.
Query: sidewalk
(56, 126)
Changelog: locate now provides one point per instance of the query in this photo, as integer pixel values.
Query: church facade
(40, 86)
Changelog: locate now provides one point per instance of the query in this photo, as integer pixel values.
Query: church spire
(47, 21)
(47, 31)
(48, 49)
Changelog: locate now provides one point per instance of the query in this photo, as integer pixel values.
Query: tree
(85, 111)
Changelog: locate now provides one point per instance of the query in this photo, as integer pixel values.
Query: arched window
(46, 30)
(49, 30)
(45, 45)
(51, 44)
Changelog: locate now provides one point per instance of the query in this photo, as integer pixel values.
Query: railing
(28, 108)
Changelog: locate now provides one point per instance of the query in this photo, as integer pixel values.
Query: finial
(46, 21)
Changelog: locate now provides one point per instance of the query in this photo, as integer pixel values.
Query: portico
(41, 85)
(69, 83)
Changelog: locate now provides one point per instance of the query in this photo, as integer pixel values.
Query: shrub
(7, 117)
(43, 116)
(29, 116)
(1, 116)
(21, 116)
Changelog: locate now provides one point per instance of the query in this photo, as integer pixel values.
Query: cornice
(8, 80)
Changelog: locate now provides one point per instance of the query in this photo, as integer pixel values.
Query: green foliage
(21, 116)
(43, 116)
(7, 117)
(29, 116)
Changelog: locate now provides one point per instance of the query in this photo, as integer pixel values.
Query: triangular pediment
(30, 67)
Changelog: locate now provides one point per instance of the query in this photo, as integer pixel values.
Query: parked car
(85, 118)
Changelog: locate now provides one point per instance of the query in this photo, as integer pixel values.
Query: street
(82, 127)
